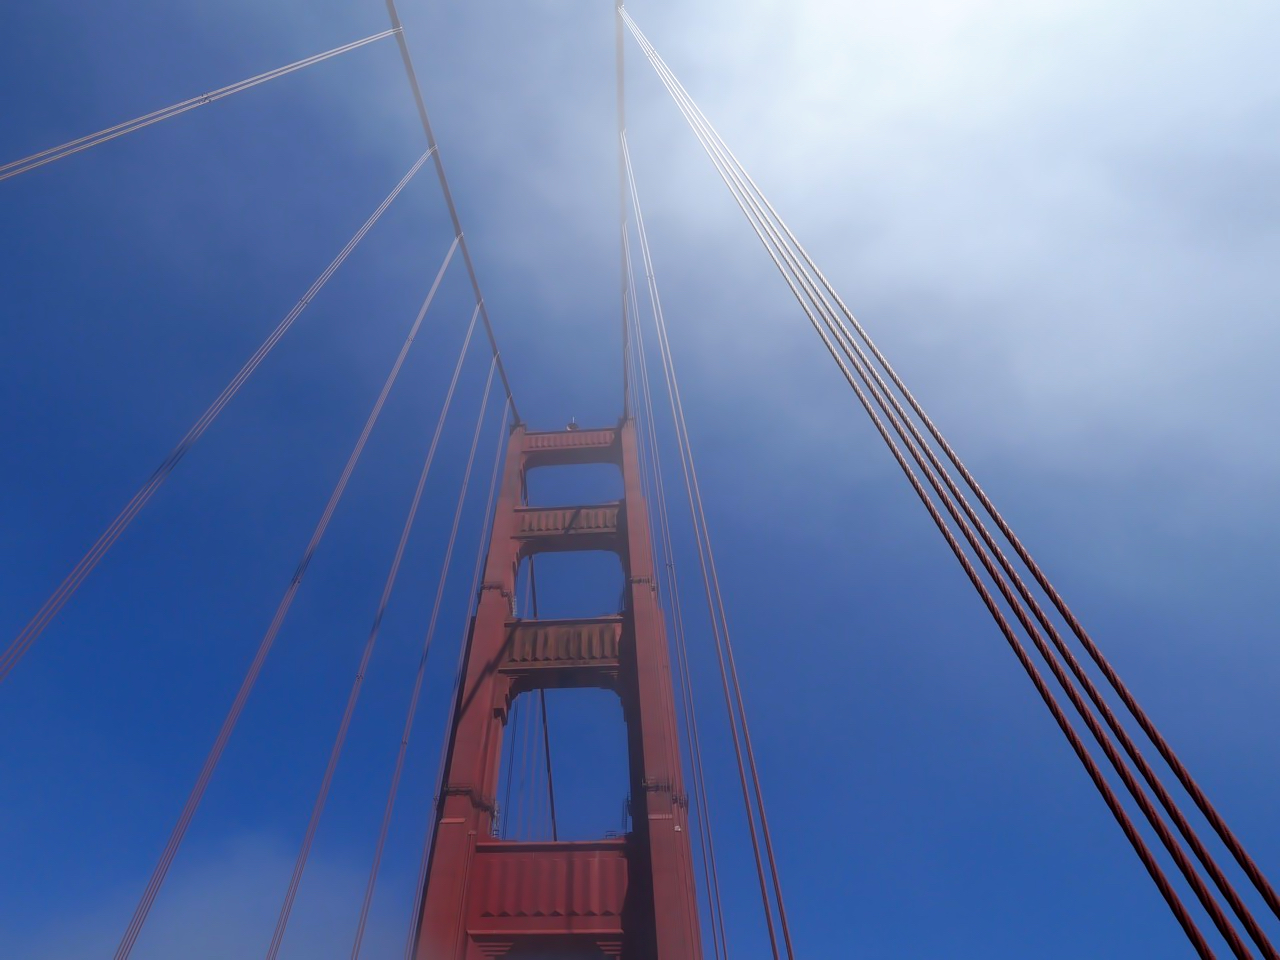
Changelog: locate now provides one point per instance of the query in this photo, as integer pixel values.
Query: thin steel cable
(398, 770)
(819, 302)
(525, 794)
(1095, 774)
(1166, 801)
(684, 451)
(15, 167)
(357, 685)
(645, 428)
(686, 867)
(542, 703)
(1157, 875)
(510, 732)
(668, 591)
(32, 631)
(246, 687)
(693, 743)
(513, 725)
(420, 103)
(715, 600)
(935, 472)
(475, 586)
(1183, 775)
(668, 688)
(680, 710)
(546, 752)
(1210, 905)
(621, 110)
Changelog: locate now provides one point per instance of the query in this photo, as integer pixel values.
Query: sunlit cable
(15, 167)
(357, 685)
(723, 644)
(668, 576)
(845, 343)
(264, 648)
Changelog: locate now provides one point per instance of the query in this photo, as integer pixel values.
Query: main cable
(624, 271)
(1153, 868)
(357, 684)
(32, 631)
(1202, 802)
(15, 167)
(997, 614)
(268, 640)
(420, 103)
(842, 335)
(756, 217)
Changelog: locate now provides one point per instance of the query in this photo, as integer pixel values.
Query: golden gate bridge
(489, 887)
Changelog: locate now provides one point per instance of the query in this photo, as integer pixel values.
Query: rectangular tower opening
(583, 483)
(586, 583)
(589, 779)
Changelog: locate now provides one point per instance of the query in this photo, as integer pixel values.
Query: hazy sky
(1061, 221)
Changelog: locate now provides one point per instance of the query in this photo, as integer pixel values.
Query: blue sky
(1060, 222)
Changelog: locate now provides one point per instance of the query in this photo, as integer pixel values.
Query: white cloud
(225, 905)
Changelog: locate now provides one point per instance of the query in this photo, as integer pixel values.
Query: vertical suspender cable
(670, 589)
(322, 795)
(264, 648)
(38, 623)
(546, 752)
(513, 724)
(724, 648)
(692, 740)
(542, 705)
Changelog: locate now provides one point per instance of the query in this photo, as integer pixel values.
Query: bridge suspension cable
(457, 697)
(652, 475)
(542, 709)
(15, 167)
(36, 626)
(735, 704)
(416, 89)
(398, 770)
(763, 231)
(357, 684)
(815, 293)
(268, 640)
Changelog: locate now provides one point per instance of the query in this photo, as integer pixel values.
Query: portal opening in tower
(586, 782)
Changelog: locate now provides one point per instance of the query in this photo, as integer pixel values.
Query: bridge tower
(631, 897)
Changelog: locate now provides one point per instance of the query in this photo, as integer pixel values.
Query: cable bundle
(1024, 604)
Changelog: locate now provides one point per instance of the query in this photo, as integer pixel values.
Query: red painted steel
(632, 897)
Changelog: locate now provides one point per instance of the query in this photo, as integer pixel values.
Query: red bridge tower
(631, 898)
